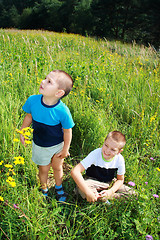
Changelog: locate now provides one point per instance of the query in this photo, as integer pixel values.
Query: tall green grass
(116, 87)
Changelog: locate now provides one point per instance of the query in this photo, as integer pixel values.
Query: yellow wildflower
(142, 115)
(27, 133)
(26, 129)
(19, 131)
(8, 166)
(19, 160)
(10, 179)
(1, 199)
(153, 117)
(158, 169)
(1, 162)
(13, 184)
(15, 140)
(28, 142)
(155, 71)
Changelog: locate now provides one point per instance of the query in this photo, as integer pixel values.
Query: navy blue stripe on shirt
(101, 174)
(46, 135)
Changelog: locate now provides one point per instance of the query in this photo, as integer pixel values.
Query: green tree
(26, 18)
(112, 18)
(9, 18)
(45, 15)
(67, 11)
(13, 16)
(154, 21)
(82, 20)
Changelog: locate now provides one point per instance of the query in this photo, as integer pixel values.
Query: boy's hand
(22, 139)
(105, 193)
(63, 154)
(92, 196)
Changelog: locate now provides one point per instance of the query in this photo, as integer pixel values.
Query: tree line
(125, 20)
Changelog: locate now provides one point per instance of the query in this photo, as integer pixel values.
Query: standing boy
(52, 123)
(101, 165)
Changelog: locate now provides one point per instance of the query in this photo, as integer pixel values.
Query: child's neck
(50, 101)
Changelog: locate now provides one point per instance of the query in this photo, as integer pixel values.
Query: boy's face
(49, 86)
(110, 149)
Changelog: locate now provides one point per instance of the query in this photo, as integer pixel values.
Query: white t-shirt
(103, 170)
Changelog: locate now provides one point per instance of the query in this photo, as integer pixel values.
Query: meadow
(116, 87)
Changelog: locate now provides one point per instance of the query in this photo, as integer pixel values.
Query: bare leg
(57, 165)
(94, 185)
(43, 175)
(124, 191)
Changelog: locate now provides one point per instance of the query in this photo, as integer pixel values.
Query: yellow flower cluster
(10, 168)
(101, 89)
(11, 181)
(9, 77)
(27, 133)
(19, 160)
(1, 199)
(15, 140)
(153, 118)
(39, 80)
(8, 165)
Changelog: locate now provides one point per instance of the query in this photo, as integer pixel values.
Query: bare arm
(78, 178)
(26, 123)
(67, 136)
(119, 182)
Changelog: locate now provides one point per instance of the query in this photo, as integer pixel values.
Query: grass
(116, 87)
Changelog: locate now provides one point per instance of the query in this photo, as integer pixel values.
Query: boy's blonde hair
(117, 137)
(64, 80)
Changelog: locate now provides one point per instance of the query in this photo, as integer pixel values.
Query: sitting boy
(101, 165)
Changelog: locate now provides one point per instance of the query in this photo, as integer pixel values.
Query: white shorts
(42, 155)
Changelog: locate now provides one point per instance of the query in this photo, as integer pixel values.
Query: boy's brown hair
(64, 80)
(117, 137)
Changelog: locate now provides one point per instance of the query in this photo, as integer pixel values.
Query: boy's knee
(57, 163)
(57, 167)
(43, 169)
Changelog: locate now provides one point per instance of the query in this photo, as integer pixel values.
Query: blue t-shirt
(48, 121)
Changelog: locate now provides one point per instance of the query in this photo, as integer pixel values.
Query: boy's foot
(45, 192)
(61, 196)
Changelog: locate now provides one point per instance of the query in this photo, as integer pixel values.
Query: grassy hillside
(116, 87)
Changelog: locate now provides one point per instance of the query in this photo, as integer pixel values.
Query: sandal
(61, 197)
(45, 192)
